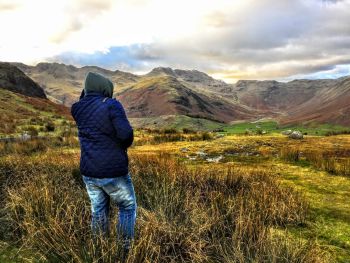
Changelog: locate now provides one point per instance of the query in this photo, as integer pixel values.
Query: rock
(219, 136)
(287, 132)
(25, 136)
(192, 158)
(201, 154)
(296, 135)
(184, 149)
(215, 159)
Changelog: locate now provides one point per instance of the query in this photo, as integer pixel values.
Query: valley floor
(328, 195)
(326, 191)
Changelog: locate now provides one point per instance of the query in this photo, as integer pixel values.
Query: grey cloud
(269, 39)
(78, 13)
(145, 53)
(301, 36)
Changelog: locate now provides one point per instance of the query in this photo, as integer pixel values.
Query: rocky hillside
(329, 105)
(167, 91)
(163, 91)
(63, 83)
(13, 79)
(167, 95)
(299, 101)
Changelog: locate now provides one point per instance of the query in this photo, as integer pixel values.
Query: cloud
(125, 58)
(266, 39)
(260, 39)
(6, 5)
(79, 13)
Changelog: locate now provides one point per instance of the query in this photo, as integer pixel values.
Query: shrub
(206, 136)
(290, 154)
(259, 131)
(50, 126)
(168, 138)
(188, 131)
(332, 133)
(184, 215)
(333, 163)
(32, 131)
(169, 131)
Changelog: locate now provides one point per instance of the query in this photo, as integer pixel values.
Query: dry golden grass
(184, 215)
(235, 210)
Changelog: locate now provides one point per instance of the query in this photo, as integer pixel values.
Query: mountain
(279, 96)
(163, 91)
(63, 83)
(167, 95)
(177, 92)
(328, 105)
(299, 101)
(24, 105)
(15, 80)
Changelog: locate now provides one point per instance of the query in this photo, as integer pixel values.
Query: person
(105, 134)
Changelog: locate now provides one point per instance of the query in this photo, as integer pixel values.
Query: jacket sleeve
(72, 112)
(124, 131)
(72, 109)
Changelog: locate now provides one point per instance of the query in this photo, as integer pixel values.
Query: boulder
(296, 135)
(215, 159)
(287, 132)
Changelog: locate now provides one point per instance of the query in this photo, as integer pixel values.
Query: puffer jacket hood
(97, 83)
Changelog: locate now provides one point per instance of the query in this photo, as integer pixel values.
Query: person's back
(105, 134)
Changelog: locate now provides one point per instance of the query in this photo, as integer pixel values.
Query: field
(273, 127)
(202, 197)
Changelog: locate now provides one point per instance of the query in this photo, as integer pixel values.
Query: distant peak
(162, 71)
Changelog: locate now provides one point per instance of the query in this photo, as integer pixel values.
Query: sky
(228, 39)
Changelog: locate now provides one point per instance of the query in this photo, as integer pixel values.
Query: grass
(18, 112)
(273, 127)
(327, 194)
(329, 206)
(262, 202)
(185, 215)
(176, 121)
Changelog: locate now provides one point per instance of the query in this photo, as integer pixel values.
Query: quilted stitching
(103, 138)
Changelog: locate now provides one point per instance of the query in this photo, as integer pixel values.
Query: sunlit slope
(19, 112)
(166, 95)
(194, 93)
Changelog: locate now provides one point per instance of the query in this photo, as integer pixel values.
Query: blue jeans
(120, 192)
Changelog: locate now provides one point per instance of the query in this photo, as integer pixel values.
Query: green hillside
(19, 113)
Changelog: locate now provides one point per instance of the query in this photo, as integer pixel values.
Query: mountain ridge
(15, 80)
(295, 101)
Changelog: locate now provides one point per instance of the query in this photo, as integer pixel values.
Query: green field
(261, 202)
(273, 127)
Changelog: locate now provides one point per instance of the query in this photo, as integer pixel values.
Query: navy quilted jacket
(104, 134)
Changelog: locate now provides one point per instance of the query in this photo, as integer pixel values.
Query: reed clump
(184, 215)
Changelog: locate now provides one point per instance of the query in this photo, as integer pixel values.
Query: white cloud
(228, 38)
